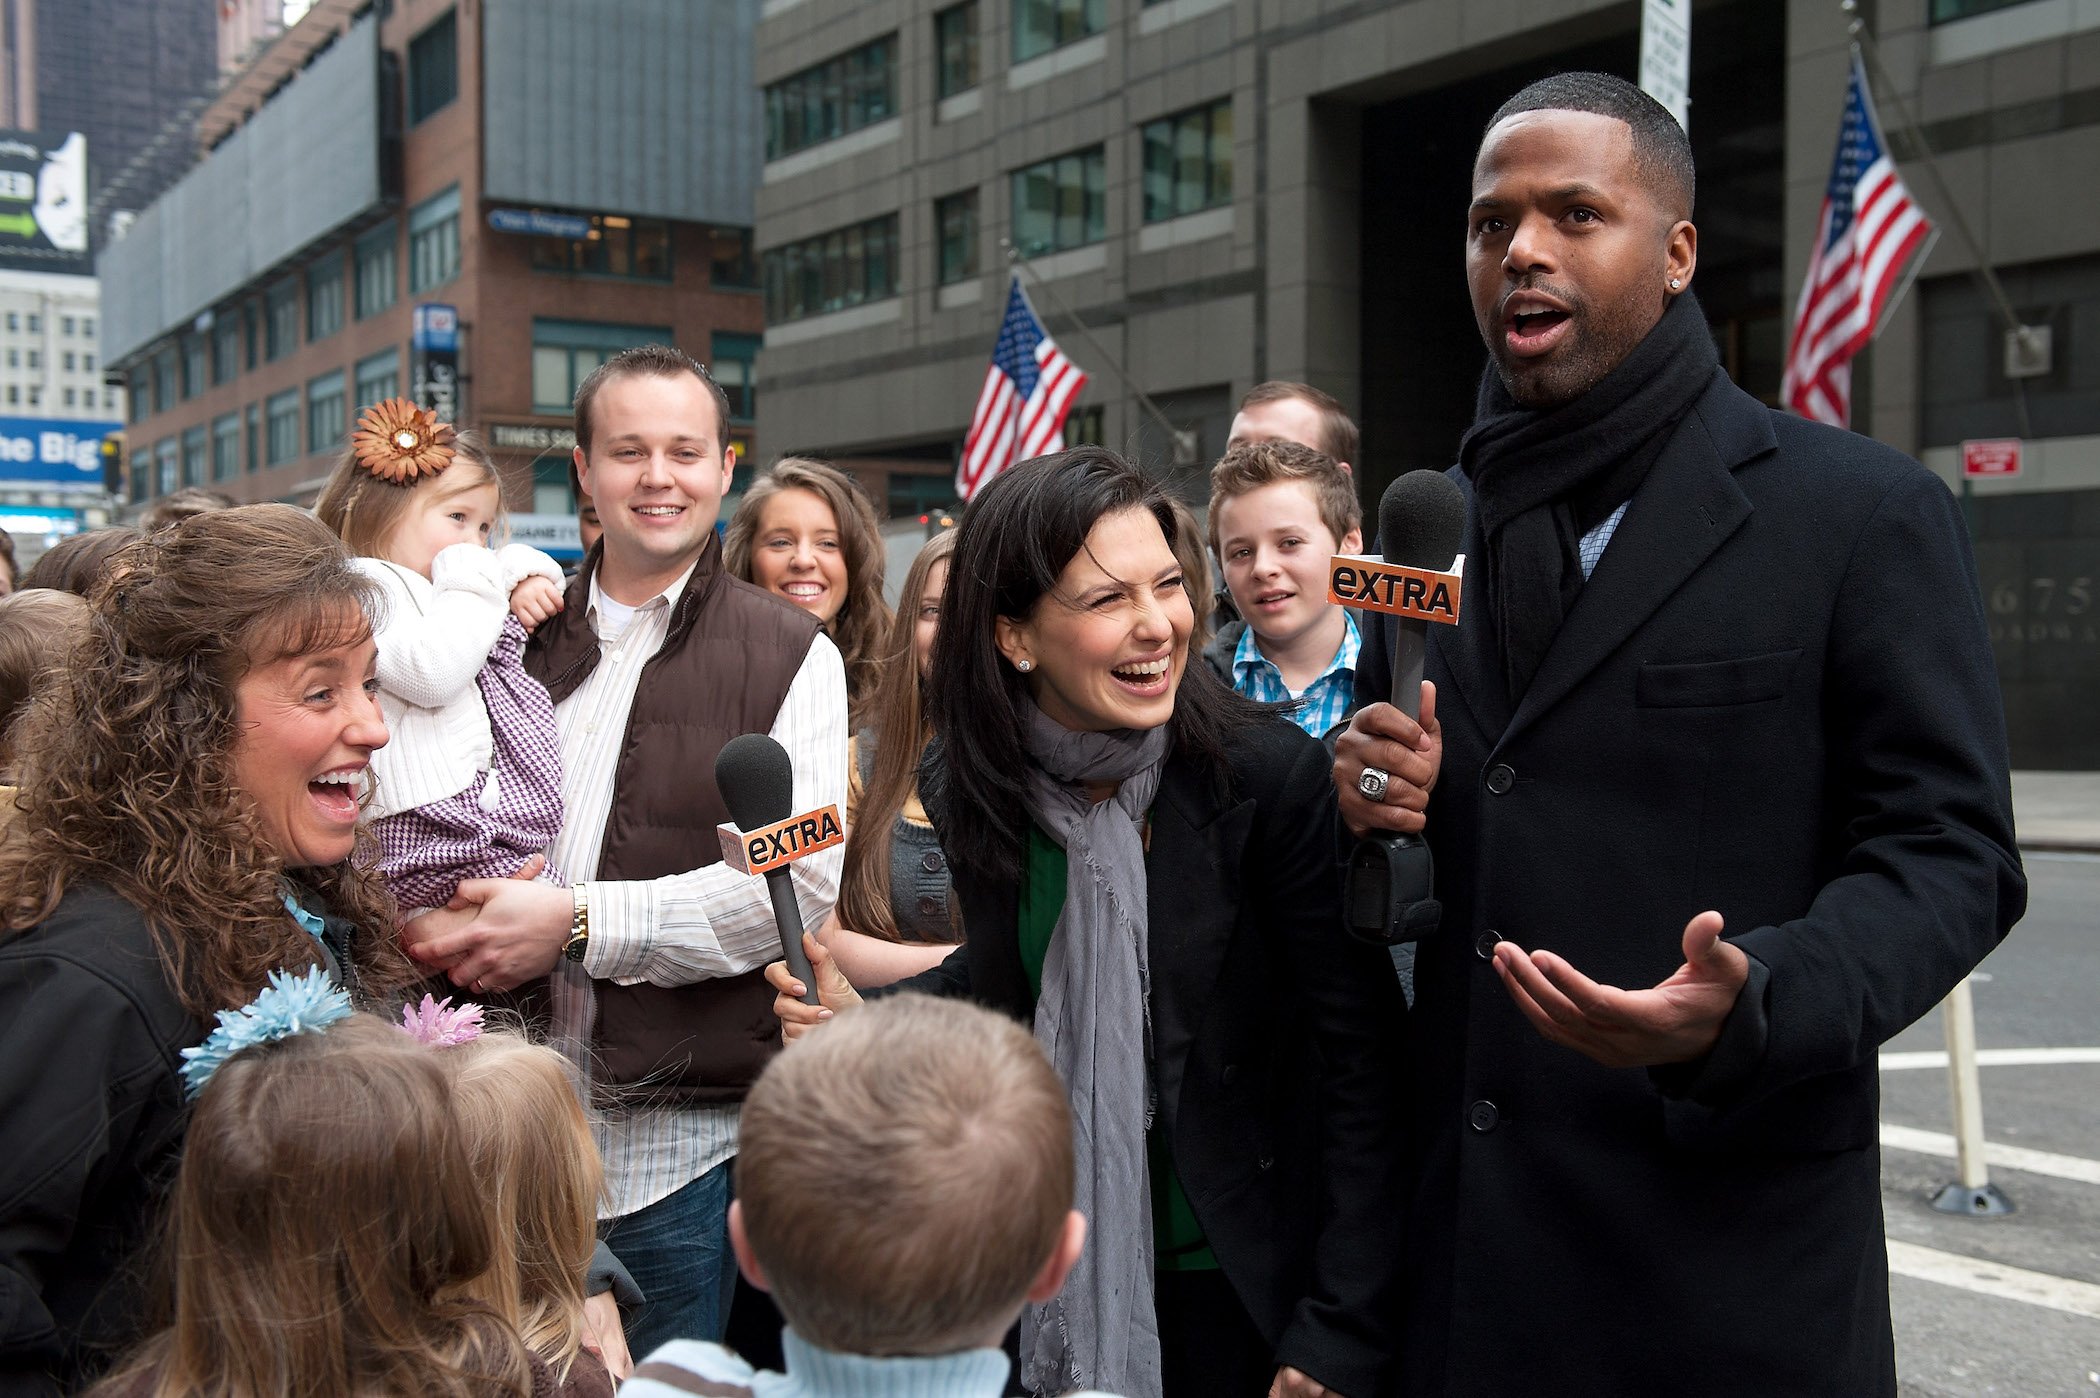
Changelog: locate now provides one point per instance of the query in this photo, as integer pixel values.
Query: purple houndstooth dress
(425, 853)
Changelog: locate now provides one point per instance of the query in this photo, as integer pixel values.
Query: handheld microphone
(1389, 896)
(757, 782)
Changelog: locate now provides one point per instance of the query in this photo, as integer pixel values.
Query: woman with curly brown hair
(188, 812)
(807, 533)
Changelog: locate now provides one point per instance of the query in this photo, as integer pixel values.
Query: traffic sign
(1991, 456)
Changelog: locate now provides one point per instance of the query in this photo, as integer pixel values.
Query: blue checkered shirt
(1325, 702)
(1590, 547)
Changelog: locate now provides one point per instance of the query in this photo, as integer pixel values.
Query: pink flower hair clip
(437, 1023)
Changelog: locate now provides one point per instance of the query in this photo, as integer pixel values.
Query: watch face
(575, 949)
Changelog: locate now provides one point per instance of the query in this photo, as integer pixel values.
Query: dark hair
(1338, 435)
(1660, 148)
(188, 501)
(1014, 542)
(648, 361)
(77, 565)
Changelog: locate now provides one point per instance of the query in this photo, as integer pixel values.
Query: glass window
(68, 398)
(14, 393)
(14, 320)
(87, 326)
(565, 351)
(167, 374)
(956, 217)
(1188, 161)
(255, 459)
(832, 271)
(378, 282)
(225, 347)
(1946, 10)
(731, 262)
(1042, 25)
(326, 425)
(194, 446)
(65, 325)
(87, 362)
(283, 441)
(324, 297)
(226, 447)
(36, 323)
(139, 385)
(616, 246)
(248, 325)
(433, 68)
(281, 319)
(196, 365)
(955, 48)
(36, 360)
(66, 361)
(1061, 203)
(142, 474)
(14, 359)
(433, 241)
(379, 377)
(167, 461)
(819, 104)
(735, 368)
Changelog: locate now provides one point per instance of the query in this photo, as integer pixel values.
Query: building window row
(833, 99)
(616, 246)
(1188, 161)
(565, 351)
(1062, 203)
(281, 319)
(956, 67)
(324, 296)
(433, 68)
(1043, 25)
(832, 271)
(378, 277)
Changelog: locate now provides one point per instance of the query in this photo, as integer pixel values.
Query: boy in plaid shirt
(1279, 512)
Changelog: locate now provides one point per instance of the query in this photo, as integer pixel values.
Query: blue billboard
(53, 451)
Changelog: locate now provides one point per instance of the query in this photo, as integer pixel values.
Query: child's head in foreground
(1279, 512)
(954, 1131)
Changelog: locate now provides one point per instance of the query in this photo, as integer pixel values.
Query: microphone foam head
(756, 780)
(1422, 520)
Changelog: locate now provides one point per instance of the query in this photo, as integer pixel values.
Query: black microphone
(757, 782)
(1421, 523)
(1389, 895)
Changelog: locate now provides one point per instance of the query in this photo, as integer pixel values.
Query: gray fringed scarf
(1093, 1020)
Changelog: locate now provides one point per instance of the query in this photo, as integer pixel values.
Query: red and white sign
(1991, 456)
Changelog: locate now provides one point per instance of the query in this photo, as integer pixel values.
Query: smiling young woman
(1145, 864)
(806, 532)
(189, 808)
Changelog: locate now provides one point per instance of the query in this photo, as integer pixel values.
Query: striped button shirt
(1323, 703)
(684, 927)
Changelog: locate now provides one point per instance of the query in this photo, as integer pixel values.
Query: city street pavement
(2010, 1305)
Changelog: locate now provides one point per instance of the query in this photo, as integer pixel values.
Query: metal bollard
(1972, 1193)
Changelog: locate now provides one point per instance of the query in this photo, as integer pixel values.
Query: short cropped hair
(1250, 465)
(1338, 434)
(1661, 150)
(653, 362)
(905, 1171)
(188, 501)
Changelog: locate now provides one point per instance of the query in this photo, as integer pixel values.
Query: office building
(1210, 193)
(470, 204)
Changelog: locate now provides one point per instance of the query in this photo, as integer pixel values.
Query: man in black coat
(1714, 772)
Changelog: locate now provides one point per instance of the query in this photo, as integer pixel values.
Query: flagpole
(1910, 277)
(1864, 42)
(1174, 434)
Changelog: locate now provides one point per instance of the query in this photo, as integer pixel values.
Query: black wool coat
(1277, 1044)
(1775, 698)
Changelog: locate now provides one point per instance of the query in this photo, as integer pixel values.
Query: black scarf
(1543, 479)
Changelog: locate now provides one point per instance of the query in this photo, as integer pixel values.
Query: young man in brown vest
(659, 658)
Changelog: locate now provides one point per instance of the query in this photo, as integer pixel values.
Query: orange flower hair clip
(400, 442)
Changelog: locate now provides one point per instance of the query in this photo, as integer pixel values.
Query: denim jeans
(678, 1251)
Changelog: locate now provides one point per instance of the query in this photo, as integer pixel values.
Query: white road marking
(2033, 1162)
(1994, 1279)
(1992, 1058)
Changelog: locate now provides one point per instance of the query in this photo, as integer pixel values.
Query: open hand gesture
(1674, 1022)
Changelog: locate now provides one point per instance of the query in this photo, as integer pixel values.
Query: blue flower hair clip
(288, 1005)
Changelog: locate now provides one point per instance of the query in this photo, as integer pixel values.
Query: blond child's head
(1279, 512)
(904, 1180)
(537, 1168)
(411, 523)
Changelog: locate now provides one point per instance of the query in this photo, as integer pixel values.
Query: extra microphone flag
(1368, 581)
(781, 843)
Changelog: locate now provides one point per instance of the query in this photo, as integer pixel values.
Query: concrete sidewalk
(2057, 810)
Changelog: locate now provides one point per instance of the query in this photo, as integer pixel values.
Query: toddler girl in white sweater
(469, 783)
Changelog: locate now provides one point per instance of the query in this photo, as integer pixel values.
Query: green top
(1177, 1238)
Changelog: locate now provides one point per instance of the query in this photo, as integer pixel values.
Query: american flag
(1870, 227)
(1027, 392)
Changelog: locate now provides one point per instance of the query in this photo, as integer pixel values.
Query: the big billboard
(43, 201)
(51, 451)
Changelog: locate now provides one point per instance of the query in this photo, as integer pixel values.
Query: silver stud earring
(1024, 666)
(1674, 283)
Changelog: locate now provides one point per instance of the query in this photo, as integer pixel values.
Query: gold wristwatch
(579, 926)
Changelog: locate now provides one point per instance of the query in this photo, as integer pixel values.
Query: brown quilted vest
(725, 667)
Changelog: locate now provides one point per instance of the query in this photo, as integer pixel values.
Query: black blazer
(1774, 697)
(1276, 1044)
